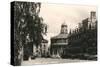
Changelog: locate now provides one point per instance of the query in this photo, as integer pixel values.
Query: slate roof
(60, 36)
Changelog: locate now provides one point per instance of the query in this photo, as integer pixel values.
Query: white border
(5, 32)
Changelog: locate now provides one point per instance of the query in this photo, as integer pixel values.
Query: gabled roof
(60, 36)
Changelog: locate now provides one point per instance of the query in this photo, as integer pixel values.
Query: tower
(92, 20)
(64, 28)
(93, 16)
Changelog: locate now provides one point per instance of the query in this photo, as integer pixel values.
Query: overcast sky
(56, 14)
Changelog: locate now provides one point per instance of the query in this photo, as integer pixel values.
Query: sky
(56, 14)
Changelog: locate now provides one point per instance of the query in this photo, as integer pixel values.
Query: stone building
(43, 48)
(83, 40)
(41, 51)
(59, 42)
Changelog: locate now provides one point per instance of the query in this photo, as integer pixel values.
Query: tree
(28, 28)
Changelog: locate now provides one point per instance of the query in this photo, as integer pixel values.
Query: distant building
(43, 48)
(85, 24)
(59, 42)
(83, 41)
(92, 20)
(88, 22)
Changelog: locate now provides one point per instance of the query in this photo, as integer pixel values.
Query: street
(50, 61)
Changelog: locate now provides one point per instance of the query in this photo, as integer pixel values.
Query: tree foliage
(27, 23)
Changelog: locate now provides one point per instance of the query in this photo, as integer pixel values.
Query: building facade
(43, 48)
(59, 42)
(83, 40)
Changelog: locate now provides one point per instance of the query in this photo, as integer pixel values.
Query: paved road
(50, 61)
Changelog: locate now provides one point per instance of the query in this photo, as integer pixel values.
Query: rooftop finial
(64, 28)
